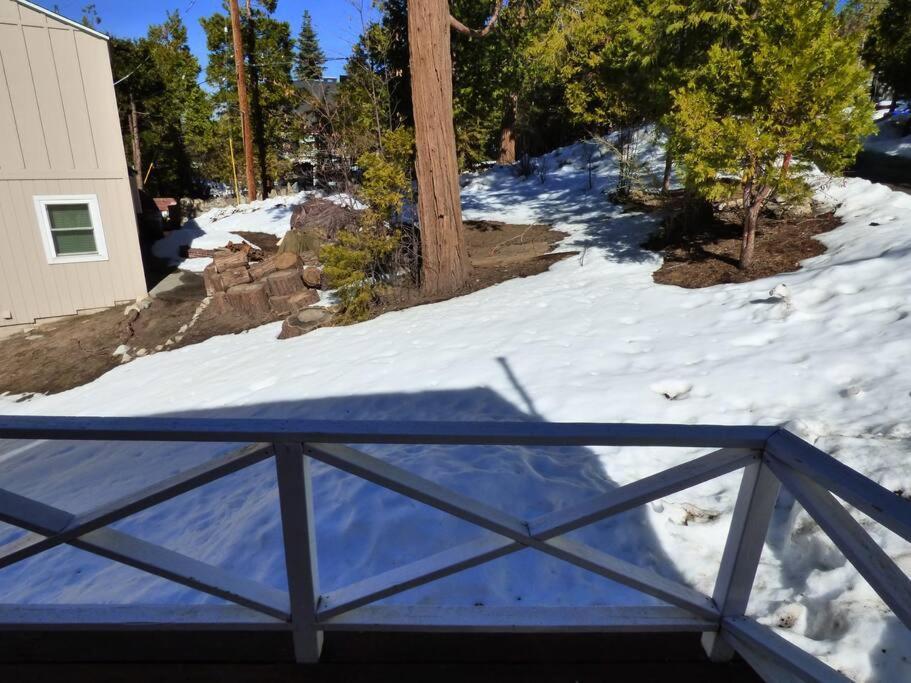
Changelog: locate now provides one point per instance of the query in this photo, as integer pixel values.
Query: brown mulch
(58, 356)
(709, 256)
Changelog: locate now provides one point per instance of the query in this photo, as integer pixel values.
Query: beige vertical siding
(59, 134)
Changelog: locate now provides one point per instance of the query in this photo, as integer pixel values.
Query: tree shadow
(362, 529)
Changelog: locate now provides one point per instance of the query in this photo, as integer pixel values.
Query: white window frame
(44, 222)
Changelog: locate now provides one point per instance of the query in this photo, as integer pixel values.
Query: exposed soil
(709, 255)
(58, 356)
(498, 252)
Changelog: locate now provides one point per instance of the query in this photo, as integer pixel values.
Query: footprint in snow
(672, 390)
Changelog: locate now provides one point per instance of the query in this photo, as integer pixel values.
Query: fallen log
(283, 282)
(260, 269)
(303, 322)
(235, 276)
(212, 280)
(302, 299)
(286, 260)
(280, 304)
(313, 277)
(251, 299)
(226, 260)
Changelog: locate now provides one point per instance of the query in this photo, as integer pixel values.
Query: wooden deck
(260, 657)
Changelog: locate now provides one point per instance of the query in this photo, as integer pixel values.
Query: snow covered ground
(593, 339)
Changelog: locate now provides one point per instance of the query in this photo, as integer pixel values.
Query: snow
(593, 339)
(216, 227)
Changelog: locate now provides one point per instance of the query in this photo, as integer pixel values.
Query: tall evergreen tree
(160, 76)
(268, 49)
(309, 59)
(888, 47)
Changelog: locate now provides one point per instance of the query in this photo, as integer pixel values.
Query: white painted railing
(770, 457)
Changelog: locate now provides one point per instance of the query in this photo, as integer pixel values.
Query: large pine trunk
(445, 264)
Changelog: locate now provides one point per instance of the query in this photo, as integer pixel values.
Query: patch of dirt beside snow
(709, 256)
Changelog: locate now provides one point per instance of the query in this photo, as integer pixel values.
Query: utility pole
(242, 99)
(134, 137)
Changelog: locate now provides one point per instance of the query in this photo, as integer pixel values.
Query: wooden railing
(770, 457)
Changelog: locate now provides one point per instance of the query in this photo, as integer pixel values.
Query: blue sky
(337, 22)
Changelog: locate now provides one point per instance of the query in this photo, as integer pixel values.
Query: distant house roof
(60, 17)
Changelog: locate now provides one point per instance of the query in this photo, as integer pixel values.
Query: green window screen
(71, 229)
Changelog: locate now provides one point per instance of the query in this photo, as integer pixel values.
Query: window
(71, 228)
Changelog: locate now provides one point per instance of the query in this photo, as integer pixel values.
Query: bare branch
(457, 25)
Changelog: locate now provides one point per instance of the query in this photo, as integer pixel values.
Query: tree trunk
(134, 138)
(748, 243)
(668, 168)
(242, 100)
(445, 264)
(508, 132)
(259, 116)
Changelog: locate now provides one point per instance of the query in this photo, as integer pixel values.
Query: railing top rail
(234, 430)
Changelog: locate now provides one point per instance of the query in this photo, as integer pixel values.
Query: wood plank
(746, 537)
(418, 488)
(399, 579)
(154, 559)
(47, 92)
(408, 484)
(629, 574)
(883, 575)
(596, 619)
(295, 490)
(640, 492)
(135, 618)
(886, 507)
(382, 432)
(748, 637)
(160, 561)
(136, 501)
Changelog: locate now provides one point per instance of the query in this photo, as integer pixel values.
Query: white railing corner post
(749, 525)
(295, 493)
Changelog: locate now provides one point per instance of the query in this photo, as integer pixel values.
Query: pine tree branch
(457, 25)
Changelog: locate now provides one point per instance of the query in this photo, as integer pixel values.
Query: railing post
(296, 500)
(749, 525)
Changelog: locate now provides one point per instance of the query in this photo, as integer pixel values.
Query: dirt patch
(59, 356)
(498, 252)
(709, 256)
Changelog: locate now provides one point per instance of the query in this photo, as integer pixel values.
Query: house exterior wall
(59, 135)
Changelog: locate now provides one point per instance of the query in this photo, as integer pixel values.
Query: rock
(125, 358)
(131, 312)
(141, 353)
(158, 348)
(144, 303)
(182, 330)
(121, 350)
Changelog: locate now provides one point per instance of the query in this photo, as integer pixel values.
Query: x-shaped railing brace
(50, 527)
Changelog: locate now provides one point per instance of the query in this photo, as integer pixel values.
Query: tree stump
(212, 280)
(302, 300)
(234, 276)
(283, 282)
(251, 299)
(226, 260)
(286, 260)
(313, 277)
(260, 269)
(281, 304)
(303, 322)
